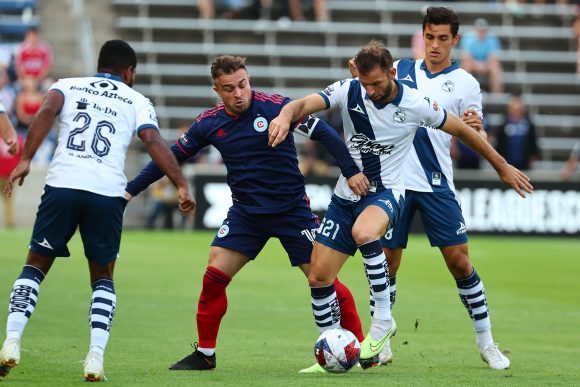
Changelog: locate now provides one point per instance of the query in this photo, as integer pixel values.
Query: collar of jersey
(454, 66)
(109, 76)
(395, 102)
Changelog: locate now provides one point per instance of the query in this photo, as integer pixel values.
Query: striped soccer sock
(23, 299)
(101, 313)
(325, 307)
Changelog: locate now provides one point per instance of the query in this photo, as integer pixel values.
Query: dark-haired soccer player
(85, 188)
(269, 197)
(381, 116)
(428, 171)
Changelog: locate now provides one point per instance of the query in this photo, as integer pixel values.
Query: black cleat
(368, 363)
(196, 361)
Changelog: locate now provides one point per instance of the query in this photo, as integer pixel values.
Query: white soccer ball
(337, 350)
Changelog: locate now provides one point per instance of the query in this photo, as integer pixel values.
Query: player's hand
(473, 119)
(13, 145)
(359, 184)
(516, 179)
(128, 196)
(352, 68)
(186, 203)
(19, 173)
(277, 131)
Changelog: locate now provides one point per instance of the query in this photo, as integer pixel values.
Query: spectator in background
(164, 197)
(516, 137)
(231, 8)
(571, 165)
(480, 56)
(27, 102)
(7, 93)
(296, 9)
(5, 55)
(33, 56)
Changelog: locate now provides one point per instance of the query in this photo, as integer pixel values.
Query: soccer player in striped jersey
(268, 192)
(428, 172)
(381, 116)
(85, 188)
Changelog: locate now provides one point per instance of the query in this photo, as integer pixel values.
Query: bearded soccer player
(85, 188)
(381, 116)
(268, 193)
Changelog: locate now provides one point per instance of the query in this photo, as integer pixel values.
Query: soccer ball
(337, 350)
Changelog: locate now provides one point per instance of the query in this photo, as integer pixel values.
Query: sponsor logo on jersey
(82, 104)
(435, 106)
(220, 133)
(329, 89)
(104, 84)
(448, 86)
(184, 140)
(428, 100)
(357, 109)
(436, 178)
(365, 145)
(223, 231)
(462, 229)
(399, 116)
(407, 78)
(260, 124)
(45, 243)
(105, 93)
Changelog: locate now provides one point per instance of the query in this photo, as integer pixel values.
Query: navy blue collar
(395, 101)
(109, 76)
(454, 66)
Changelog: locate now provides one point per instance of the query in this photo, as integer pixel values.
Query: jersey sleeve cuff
(326, 100)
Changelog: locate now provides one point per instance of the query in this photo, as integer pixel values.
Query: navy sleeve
(151, 173)
(335, 145)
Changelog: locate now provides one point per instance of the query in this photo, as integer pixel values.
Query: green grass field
(268, 333)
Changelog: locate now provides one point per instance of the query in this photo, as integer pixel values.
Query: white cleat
(9, 356)
(494, 358)
(94, 370)
(386, 356)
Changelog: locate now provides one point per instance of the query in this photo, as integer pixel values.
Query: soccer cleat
(494, 358)
(9, 356)
(94, 370)
(370, 349)
(386, 356)
(313, 369)
(196, 361)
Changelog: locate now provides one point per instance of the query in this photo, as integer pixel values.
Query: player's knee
(459, 265)
(318, 279)
(362, 235)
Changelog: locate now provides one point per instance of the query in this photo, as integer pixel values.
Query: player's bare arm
(511, 176)
(37, 132)
(473, 119)
(280, 126)
(8, 133)
(166, 161)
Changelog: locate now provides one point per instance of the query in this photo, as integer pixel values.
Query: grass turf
(268, 333)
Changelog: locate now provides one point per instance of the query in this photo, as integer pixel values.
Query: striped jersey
(380, 136)
(428, 167)
(97, 121)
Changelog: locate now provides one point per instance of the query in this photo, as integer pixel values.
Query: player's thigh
(227, 261)
(376, 213)
(242, 233)
(442, 218)
(325, 264)
(335, 231)
(100, 226)
(56, 221)
(398, 236)
(296, 230)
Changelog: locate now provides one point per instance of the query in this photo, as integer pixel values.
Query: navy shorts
(335, 231)
(248, 234)
(441, 216)
(99, 219)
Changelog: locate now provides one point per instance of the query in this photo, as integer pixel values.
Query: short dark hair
(440, 16)
(227, 64)
(372, 55)
(116, 55)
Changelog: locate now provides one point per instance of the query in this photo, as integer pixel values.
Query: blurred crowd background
(526, 55)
